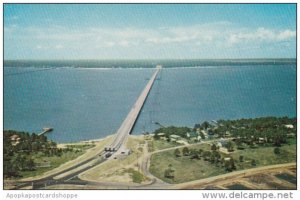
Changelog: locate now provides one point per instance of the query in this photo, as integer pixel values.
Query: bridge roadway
(128, 124)
(122, 134)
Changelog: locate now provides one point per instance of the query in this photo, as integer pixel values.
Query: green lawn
(155, 145)
(55, 160)
(187, 169)
(265, 156)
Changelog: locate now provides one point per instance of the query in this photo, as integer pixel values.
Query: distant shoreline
(146, 63)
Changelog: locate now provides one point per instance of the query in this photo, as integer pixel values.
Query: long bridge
(128, 124)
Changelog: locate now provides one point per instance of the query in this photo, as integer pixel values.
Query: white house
(289, 126)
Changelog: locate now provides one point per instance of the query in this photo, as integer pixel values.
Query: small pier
(46, 130)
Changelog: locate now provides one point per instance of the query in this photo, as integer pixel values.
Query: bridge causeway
(128, 124)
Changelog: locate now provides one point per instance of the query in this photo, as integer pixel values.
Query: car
(108, 155)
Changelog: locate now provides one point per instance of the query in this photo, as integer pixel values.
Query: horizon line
(137, 59)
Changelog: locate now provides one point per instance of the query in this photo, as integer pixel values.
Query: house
(161, 136)
(199, 138)
(15, 139)
(289, 126)
(227, 159)
(209, 131)
(147, 137)
(224, 150)
(227, 134)
(261, 140)
(194, 136)
(204, 133)
(176, 137)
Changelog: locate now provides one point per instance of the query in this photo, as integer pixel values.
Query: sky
(149, 31)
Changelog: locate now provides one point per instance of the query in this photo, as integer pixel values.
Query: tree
(177, 153)
(202, 135)
(185, 151)
(277, 150)
(212, 158)
(30, 164)
(241, 158)
(241, 146)
(169, 174)
(206, 155)
(197, 126)
(10, 169)
(229, 146)
(156, 136)
(200, 151)
(217, 156)
(194, 154)
(229, 165)
(213, 147)
(232, 164)
(205, 125)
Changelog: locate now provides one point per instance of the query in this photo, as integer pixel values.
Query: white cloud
(261, 35)
(109, 44)
(59, 46)
(286, 35)
(113, 41)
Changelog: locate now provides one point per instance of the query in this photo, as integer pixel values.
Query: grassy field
(155, 145)
(187, 169)
(136, 176)
(265, 156)
(122, 169)
(55, 160)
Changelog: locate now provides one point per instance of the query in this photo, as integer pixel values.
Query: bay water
(90, 103)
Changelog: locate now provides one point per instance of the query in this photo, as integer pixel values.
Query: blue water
(83, 104)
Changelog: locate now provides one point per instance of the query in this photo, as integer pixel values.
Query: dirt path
(228, 178)
(187, 145)
(145, 163)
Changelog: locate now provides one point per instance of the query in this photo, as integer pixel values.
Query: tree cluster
(172, 130)
(19, 150)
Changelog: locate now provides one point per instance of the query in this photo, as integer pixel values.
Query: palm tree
(229, 146)
(185, 151)
(177, 153)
